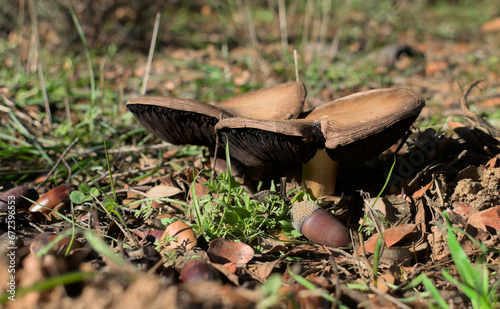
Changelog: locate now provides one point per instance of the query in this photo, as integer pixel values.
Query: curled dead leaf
(223, 251)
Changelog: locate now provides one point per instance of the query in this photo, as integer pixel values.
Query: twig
(11, 106)
(151, 53)
(76, 140)
(473, 116)
(123, 149)
(283, 32)
(34, 28)
(225, 56)
(124, 230)
(296, 61)
(307, 25)
(336, 280)
(388, 297)
(19, 40)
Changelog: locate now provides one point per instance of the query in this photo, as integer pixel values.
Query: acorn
(195, 270)
(318, 225)
(17, 197)
(184, 235)
(43, 239)
(53, 198)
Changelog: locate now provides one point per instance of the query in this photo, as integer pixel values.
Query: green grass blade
(50, 283)
(460, 258)
(87, 54)
(429, 286)
(103, 248)
(376, 258)
(308, 285)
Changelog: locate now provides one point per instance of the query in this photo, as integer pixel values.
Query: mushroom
(358, 127)
(270, 144)
(355, 127)
(186, 121)
(279, 102)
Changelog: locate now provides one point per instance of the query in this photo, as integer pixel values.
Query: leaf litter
(455, 169)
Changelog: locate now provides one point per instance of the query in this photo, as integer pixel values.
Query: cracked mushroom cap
(360, 126)
(270, 144)
(185, 121)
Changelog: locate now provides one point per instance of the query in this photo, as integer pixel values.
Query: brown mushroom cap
(279, 102)
(186, 121)
(362, 125)
(355, 127)
(178, 121)
(270, 144)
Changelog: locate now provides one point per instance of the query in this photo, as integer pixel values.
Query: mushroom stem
(319, 175)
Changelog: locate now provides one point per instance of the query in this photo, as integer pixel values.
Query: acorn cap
(300, 211)
(270, 144)
(186, 121)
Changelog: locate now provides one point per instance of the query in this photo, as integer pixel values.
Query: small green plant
(371, 227)
(228, 211)
(145, 211)
(84, 195)
(475, 278)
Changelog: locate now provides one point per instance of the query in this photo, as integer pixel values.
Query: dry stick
(388, 297)
(325, 20)
(296, 61)
(336, 280)
(460, 156)
(225, 56)
(473, 116)
(307, 25)
(335, 42)
(67, 108)
(34, 28)
(122, 150)
(19, 31)
(11, 106)
(124, 230)
(151, 53)
(283, 32)
(252, 36)
(61, 157)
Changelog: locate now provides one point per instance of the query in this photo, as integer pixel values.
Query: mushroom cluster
(186, 121)
(262, 129)
(352, 128)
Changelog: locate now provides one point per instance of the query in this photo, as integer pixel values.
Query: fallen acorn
(318, 226)
(52, 199)
(44, 239)
(17, 197)
(181, 237)
(196, 270)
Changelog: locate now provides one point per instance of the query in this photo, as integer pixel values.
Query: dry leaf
(223, 251)
(486, 219)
